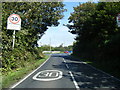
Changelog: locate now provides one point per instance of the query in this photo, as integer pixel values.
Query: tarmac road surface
(63, 71)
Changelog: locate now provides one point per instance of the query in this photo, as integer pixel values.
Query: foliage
(81, 19)
(63, 48)
(97, 33)
(59, 48)
(36, 17)
(14, 76)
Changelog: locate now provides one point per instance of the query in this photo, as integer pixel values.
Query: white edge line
(29, 74)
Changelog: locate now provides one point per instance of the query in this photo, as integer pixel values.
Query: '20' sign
(14, 18)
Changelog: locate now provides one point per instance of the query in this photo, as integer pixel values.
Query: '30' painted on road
(48, 75)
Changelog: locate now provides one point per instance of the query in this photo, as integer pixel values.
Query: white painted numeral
(48, 75)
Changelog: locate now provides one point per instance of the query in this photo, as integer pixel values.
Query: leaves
(36, 17)
(96, 29)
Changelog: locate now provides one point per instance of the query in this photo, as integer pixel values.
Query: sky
(55, 36)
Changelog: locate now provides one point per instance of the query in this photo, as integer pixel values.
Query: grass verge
(14, 76)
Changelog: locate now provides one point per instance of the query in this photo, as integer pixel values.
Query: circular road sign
(14, 18)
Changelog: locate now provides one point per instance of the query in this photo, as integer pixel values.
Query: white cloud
(57, 36)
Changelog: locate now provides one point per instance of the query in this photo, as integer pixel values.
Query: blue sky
(56, 36)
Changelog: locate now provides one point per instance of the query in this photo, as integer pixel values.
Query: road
(64, 71)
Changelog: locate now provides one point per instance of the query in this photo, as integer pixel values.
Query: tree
(36, 17)
(95, 25)
(81, 19)
(98, 35)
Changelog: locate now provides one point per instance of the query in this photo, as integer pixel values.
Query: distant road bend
(64, 71)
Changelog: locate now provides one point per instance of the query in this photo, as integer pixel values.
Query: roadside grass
(108, 66)
(14, 76)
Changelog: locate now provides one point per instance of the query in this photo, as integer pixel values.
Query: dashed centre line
(64, 60)
(74, 81)
(67, 66)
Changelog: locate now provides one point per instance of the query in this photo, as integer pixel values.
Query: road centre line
(64, 60)
(30, 74)
(74, 81)
(67, 66)
(65, 63)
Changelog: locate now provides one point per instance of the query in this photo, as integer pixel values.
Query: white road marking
(74, 81)
(47, 75)
(64, 60)
(67, 66)
(65, 63)
(29, 74)
(50, 75)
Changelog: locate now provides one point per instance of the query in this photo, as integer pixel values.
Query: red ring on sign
(17, 16)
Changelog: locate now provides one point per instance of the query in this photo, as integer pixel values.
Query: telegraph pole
(50, 45)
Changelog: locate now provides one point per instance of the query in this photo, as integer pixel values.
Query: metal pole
(50, 45)
(13, 39)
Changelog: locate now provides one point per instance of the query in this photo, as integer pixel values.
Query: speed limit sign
(14, 18)
(14, 22)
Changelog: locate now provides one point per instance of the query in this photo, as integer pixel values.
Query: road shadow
(88, 77)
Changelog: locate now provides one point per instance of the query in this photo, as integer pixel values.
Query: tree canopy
(97, 32)
(36, 17)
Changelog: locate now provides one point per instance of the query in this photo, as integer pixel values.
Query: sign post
(118, 20)
(14, 23)
(13, 39)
